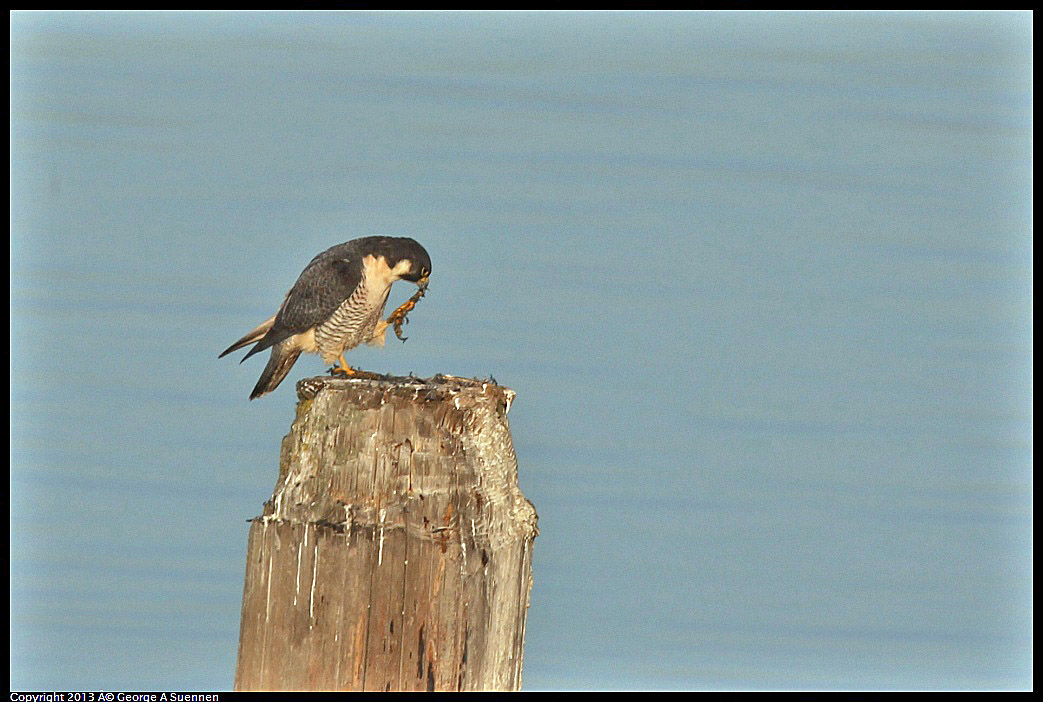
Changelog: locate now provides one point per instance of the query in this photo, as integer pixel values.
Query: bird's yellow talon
(397, 318)
(343, 369)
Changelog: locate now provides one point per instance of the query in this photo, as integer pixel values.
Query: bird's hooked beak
(422, 283)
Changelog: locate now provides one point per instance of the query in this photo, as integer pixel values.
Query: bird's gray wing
(328, 280)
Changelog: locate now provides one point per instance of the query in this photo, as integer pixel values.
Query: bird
(336, 304)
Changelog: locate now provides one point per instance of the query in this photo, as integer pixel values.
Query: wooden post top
(363, 451)
(438, 386)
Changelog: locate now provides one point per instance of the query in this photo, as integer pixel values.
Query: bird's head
(409, 260)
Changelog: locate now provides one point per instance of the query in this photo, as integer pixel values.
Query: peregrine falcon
(336, 304)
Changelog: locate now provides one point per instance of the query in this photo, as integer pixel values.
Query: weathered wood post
(396, 551)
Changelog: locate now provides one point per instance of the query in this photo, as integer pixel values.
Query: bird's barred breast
(355, 320)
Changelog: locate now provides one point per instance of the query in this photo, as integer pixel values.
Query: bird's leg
(343, 369)
(398, 317)
(346, 371)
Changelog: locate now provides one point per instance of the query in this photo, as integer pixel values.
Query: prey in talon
(398, 317)
(337, 304)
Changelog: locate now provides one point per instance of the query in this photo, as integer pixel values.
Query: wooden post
(396, 551)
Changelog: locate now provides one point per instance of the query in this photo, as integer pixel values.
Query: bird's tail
(279, 364)
(252, 336)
